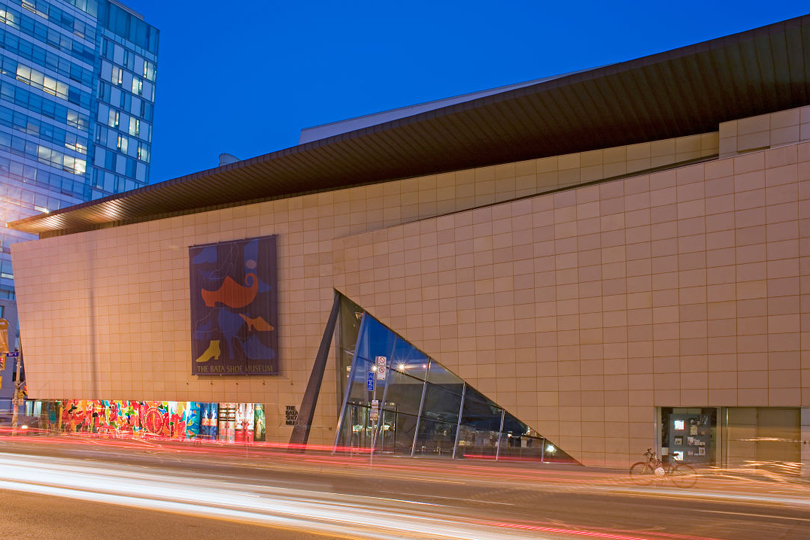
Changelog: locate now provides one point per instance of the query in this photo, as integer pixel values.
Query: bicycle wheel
(641, 473)
(683, 475)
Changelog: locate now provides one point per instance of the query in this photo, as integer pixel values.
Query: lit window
(114, 118)
(123, 143)
(49, 85)
(73, 118)
(40, 80)
(7, 17)
(143, 152)
(23, 73)
(137, 86)
(44, 153)
(148, 71)
(134, 127)
(117, 75)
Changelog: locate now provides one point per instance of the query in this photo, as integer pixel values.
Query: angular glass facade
(77, 90)
(423, 408)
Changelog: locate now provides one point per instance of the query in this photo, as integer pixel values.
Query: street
(76, 488)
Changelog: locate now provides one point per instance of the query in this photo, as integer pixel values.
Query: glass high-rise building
(77, 94)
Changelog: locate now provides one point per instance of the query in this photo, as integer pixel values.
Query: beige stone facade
(579, 305)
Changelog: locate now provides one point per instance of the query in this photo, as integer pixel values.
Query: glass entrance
(399, 401)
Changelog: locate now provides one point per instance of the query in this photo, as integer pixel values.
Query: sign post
(380, 368)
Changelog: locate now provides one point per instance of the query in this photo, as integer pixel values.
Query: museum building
(576, 268)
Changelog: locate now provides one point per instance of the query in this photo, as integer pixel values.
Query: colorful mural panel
(234, 308)
(183, 420)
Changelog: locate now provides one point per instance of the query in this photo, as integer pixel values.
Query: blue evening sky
(245, 77)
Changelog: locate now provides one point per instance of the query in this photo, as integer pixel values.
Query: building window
(134, 127)
(143, 152)
(123, 143)
(137, 86)
(114, 118)
(117, 75)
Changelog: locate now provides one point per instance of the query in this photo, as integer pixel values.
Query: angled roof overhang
(681, 92)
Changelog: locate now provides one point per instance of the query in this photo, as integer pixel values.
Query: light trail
(324, 513)
(200, 481)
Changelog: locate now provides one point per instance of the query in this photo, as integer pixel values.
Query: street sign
(370, 381)
(13, 354)
(375, 409)
(381, 362)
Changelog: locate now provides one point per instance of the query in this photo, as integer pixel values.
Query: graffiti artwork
(234, 308)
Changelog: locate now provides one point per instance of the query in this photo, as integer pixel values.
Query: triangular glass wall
(422, 408)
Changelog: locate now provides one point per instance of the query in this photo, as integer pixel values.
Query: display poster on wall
(234, 307)
(259, 422)
(690, 437)
(227, 422)
(209, 416)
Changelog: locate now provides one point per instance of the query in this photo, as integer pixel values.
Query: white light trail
(328, 513)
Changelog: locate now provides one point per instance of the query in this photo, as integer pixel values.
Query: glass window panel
(396, 432)
(477, 442)
(23, 72)
(474, 394)
(441, 404)
(377, 341)
(408, 359)
(440, 376)
(39, 79)
(356, 429)
(435, 438)
(514, 426)
(359, 393)
(347, 329)
(480, 415)
(403, 393)
(350, 317)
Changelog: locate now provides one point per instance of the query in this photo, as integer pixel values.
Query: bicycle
(644, 472)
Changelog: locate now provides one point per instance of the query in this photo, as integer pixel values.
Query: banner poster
(75, 417)
(227, 422)
(155, 418)
(209, 416)
(259, 422)
(244, 422)
(95, 415)
(129, 419)
(234, 308)
(191, 418)
(177, 423)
